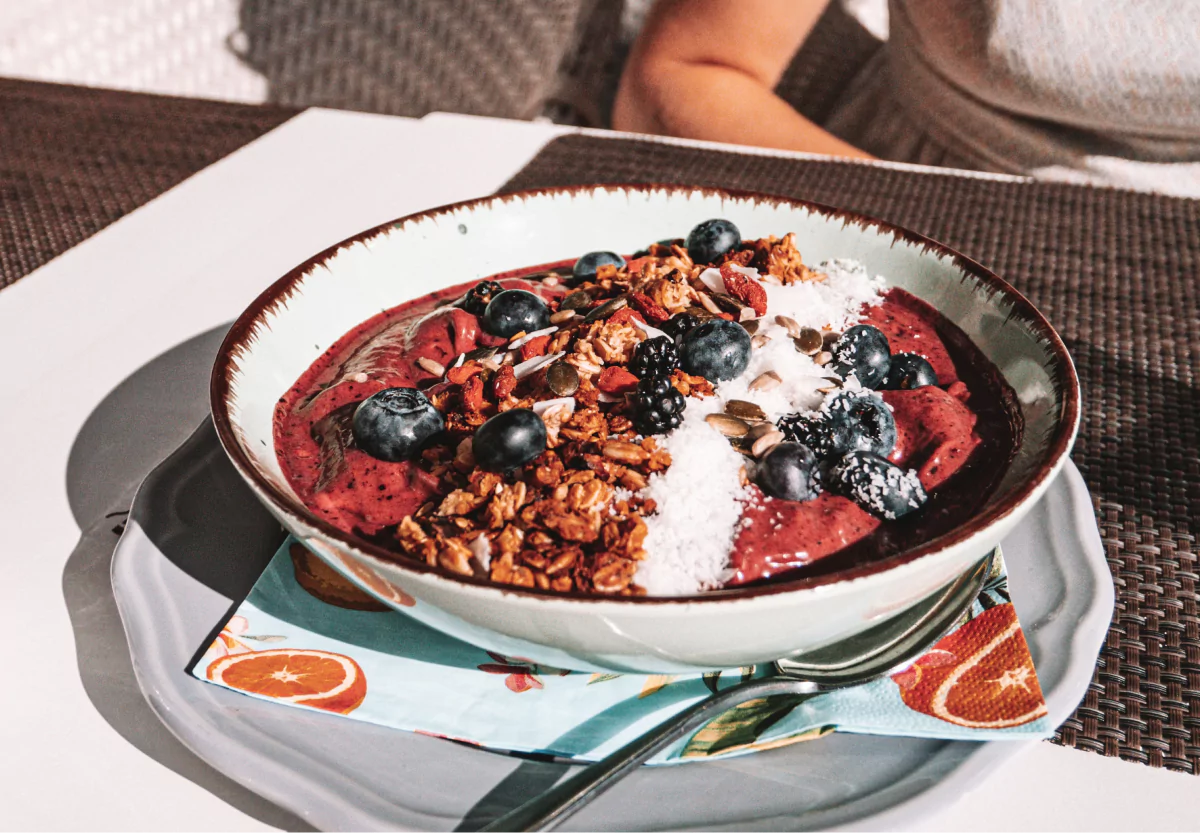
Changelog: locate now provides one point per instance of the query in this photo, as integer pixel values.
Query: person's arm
(707, 69)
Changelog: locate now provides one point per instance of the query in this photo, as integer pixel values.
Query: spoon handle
(554, 806)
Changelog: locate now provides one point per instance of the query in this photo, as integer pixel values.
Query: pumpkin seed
(562, 378)
(808, 342)
(606, 309)
(579, 299)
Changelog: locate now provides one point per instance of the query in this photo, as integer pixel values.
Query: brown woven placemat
(74, 159)
(1118, 274)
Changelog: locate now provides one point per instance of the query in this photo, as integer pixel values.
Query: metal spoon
(853, 661)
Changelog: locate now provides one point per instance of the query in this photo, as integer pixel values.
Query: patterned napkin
(307, 638)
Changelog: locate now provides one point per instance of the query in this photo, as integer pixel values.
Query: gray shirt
(1103, 91)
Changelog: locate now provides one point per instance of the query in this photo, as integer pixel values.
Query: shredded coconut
(700, 496)
(691, 534)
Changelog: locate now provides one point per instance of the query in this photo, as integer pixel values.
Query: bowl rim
(242, 333)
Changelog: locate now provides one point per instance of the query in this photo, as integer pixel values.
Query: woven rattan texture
(1118, 274)
(508, 58)
(73, 160)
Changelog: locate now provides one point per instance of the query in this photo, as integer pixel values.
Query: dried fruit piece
(745, 289)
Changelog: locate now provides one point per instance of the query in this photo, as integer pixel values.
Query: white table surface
(94, 757)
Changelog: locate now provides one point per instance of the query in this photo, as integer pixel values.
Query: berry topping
(585, 268)
(908, 371)
(657, 406)
(711, 239)
(814, 430)
(678, 325)
(654, 357)
(717, 350)
(862, 350)
(862, 421)
(395, 423)
(509, 440)
(881, 488)
(789, 471)
(477, 297)
(513, 310)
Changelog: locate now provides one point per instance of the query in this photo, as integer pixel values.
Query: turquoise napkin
(306, 638)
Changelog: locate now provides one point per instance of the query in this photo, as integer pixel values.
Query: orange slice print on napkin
(317, 679)
(981, 676)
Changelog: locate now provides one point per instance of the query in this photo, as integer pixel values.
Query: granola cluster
(573, 518)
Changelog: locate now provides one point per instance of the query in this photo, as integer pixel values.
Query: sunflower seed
(742, 409)
(562, 378)
(834, 384)
(750, 326)
(606, 309)
(766, 381)
(430, 366)
(767, 441)
(728, 425)
(823, 358)
(708, 303)
(789, 324)
(757, 430)
(625, 452)
(576, 300)
(808, 342)
(759, 340)
(562, 315)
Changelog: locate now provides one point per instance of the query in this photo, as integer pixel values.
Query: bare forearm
(720, 104)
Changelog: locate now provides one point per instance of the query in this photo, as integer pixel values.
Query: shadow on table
(133, 428)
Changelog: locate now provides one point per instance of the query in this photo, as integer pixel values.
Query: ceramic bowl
(302, 314)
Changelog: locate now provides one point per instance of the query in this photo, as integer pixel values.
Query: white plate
(197, 539)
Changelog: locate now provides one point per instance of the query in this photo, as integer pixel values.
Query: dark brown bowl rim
(220, 390)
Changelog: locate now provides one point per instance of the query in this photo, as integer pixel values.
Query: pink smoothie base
(960, 434)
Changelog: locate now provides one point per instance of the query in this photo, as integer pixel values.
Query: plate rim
(332, 809)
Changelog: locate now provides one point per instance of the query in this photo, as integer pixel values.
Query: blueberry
(862, 350)
(881, 488)
(513, 310)
(395, 423)
(789, 471)
(717, 349)
(585, 268)
(908, 371)
(862, 421)
(711, 239)
(509, 440)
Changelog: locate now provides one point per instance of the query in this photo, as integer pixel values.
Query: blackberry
(477, 297)
(678, 325)
(654, 357)
(657, 406)
(814, 430)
